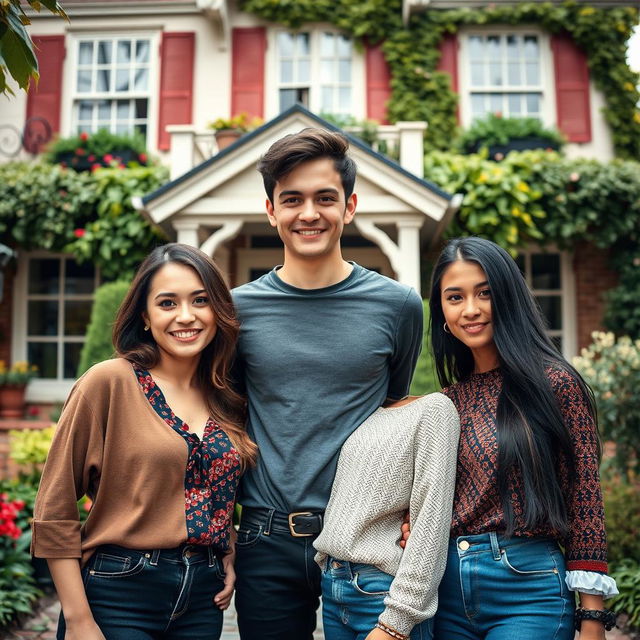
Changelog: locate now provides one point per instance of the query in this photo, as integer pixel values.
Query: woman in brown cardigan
(155, 438)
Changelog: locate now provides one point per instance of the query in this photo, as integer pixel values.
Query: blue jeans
(497, 588)
(353, 598)
(166, 593)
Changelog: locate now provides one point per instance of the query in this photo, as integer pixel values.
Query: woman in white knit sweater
(402, 458)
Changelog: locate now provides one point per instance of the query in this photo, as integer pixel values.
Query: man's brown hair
(289, 152)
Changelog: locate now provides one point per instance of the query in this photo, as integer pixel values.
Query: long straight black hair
(532, 435)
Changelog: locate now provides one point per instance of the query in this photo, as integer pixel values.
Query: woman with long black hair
(527, 476)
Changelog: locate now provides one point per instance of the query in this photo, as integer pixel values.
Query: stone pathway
(42, 626)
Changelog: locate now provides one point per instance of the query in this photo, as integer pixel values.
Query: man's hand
(379, 634)
(222, 599)
(405, 530)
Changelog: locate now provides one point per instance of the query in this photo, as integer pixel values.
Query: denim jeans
(497, 588)
(353, 598)
(166, 593)
(278, 582)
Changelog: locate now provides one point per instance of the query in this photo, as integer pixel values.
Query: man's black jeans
(278, 582)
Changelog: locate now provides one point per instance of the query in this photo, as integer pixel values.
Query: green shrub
(612, 369)
(496, 130)
(29, 449)
(424, 378)
(627, 577)
(98, 345)
(622, 510)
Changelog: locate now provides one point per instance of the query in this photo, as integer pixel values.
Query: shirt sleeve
(413, 595)
(408, 343)
(586, 542)
(73, 463)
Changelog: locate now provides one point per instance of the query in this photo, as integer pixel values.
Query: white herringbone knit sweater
(399, 458)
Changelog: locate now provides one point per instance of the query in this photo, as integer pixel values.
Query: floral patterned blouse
(211, 476)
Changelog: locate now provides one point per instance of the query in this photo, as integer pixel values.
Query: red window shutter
(44, 98)
(572, 89)
(177, 55)
(378, 84)
(449, 61)
(247, 71)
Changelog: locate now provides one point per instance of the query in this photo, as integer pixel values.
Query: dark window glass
(43, 318)
(45, 356)
(254, 274)
(77, 314)
(72, 352)
(545, 271)
(79, 278)
(44, 276)
(551, 307)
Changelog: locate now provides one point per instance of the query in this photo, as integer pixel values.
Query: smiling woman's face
(466, 302)
(179, 312)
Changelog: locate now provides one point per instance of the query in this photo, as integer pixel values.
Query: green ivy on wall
(419, 92)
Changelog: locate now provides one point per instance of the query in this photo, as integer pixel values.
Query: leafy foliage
(98, 346)
(89, 215)
(420, 92)
(627, 577)
(612, 369)
(494, 129)
(240, 122)
(29, 449)
(622, 509)
(16, 49)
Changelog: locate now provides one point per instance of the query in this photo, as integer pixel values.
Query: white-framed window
(112, 79)
(53, 297)
(317, 68)
(549, 275)
(506, 72)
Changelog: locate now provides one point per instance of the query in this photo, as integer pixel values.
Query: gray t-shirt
(315, 364)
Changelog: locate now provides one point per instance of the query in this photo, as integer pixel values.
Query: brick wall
(593, 279)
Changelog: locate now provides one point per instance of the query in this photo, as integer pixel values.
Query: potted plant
(501, 135)
(88, 152)
(228, 130)
(13, 384)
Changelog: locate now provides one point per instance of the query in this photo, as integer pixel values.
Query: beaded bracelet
(391, 631)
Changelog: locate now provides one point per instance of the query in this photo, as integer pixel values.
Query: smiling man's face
(309, 211)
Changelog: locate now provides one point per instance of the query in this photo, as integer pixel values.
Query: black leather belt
(304, 523)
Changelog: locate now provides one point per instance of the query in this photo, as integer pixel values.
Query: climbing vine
(419, 92)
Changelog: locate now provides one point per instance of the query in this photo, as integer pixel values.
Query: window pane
(104, 80)
(344, 96)
(531, 49)
(512, 48)
(551, 307)
(344, 46)
(477, 74)
(533, 73)
(545, 271)
(84, 81)
(141, 79)
(122, 80)
(142, 51)
(520, 262)
(344, 71)
(327, 48)
(285, 45)
(77, 314)
(477, 105)
(533, 104)
(327, 99)
(496, 102)
(302, 44)
(123, 129)
(85, 110)
(45, 356)
(72, 352)
(44, 275)
(85, 53)
(141, 108)
(326, 70)
(495, 73)
(104, 110)
(514, 73)
(142, 130)
(286, 71)
(124, 51)
(78, 278)
(287, 98)
(43, 318)
(475, 47)
(104, 52)
(515, 104)
(123, 109)
(304, 72)
(493, 47)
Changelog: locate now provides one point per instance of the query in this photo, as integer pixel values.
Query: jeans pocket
(372, 582)
(525, 561)
(110, 565)
(219, 569)
(248, 536)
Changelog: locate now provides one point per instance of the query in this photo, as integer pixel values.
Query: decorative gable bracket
(218, 12)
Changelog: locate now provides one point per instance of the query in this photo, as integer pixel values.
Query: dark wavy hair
(289, 152)
(225, 405)
(532, 434)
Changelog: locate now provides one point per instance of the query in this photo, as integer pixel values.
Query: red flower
(108, 158)
(79, 233)
(80, 151)
(142, 157)
(87, 505)
(95, 166)
(84, 136)
(91, 158)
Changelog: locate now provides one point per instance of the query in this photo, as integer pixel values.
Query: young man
(323, 343)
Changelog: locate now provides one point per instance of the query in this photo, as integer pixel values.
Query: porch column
(228, 230)
(181, 158)
(409, 251)
(187, 233)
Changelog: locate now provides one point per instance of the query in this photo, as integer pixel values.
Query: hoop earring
(446, 328)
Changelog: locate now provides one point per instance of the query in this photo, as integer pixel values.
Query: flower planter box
(82, 163)
(515, 144)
